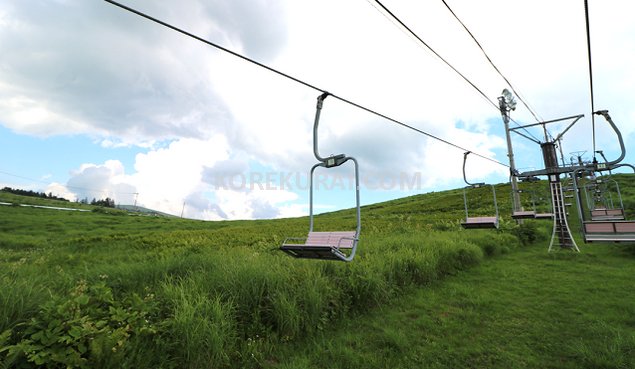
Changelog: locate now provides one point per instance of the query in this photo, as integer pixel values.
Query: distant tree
(32, 193)
(107, 202)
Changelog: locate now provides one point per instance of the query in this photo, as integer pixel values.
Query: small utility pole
(506, 103)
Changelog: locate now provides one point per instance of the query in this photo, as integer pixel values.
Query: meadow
(109, 289)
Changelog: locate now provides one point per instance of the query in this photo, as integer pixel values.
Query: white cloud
(92, 181)
(89, 68)
(257, 204)
(60, 190)
(173, 180)
(165, 177)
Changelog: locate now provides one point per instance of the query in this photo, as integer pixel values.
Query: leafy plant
(528, 233)
(80, 331)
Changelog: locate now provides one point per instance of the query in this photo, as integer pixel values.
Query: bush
(455, 255)
(84, 330)
(528, 233)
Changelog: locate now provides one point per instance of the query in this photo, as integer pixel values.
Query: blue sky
(97, 102)
(51, 159)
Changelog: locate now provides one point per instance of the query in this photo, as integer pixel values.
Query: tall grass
(617, 349)
(222, 295)
(19, 299)
(201, 326)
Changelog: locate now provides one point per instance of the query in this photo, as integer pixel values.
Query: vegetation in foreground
(526, 309)
(105, 289)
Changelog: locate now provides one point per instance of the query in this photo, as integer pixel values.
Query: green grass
(107, 289)
(526, 309)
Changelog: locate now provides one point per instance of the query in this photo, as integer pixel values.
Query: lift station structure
(561, 235)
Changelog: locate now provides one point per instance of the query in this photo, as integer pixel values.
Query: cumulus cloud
(258, 203)
(98, 181)
(197, 205)
(60, 190)
(174, 179)
(224, 173)
(89, 68)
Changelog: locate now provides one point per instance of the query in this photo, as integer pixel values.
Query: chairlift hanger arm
(316, 122)
(623, 165)
(605, 114)
(465, 154)
(333, 160)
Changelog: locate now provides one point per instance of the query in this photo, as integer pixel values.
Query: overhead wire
(588, 42)
(529, 108)
(398, 21)
(535, 115)
(304, 83)
(413, 34)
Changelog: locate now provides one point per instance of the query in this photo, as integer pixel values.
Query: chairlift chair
(472, 222)
(548, 215)
(608, 230)
(525, 214)
(606, 210)
(543, 216)
(531, 214)
(333, 245)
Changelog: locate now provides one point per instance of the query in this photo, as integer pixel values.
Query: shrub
(454, 254)
(528, 233)
(84, 330)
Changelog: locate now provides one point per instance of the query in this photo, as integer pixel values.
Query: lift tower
(561, 235)
(506, 104)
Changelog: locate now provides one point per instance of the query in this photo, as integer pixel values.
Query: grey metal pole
(504, 108)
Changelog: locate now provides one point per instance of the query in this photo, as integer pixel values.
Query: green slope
(526, 309)
(106, 289)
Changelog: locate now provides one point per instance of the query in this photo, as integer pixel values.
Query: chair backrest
(599, 227)
(625, 227)
(332, 239)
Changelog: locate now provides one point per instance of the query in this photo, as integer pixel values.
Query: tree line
(107, 202)
(31, 193)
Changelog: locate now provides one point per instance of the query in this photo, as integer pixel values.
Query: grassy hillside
(526, 309)
(11, 198)
(107, 289)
